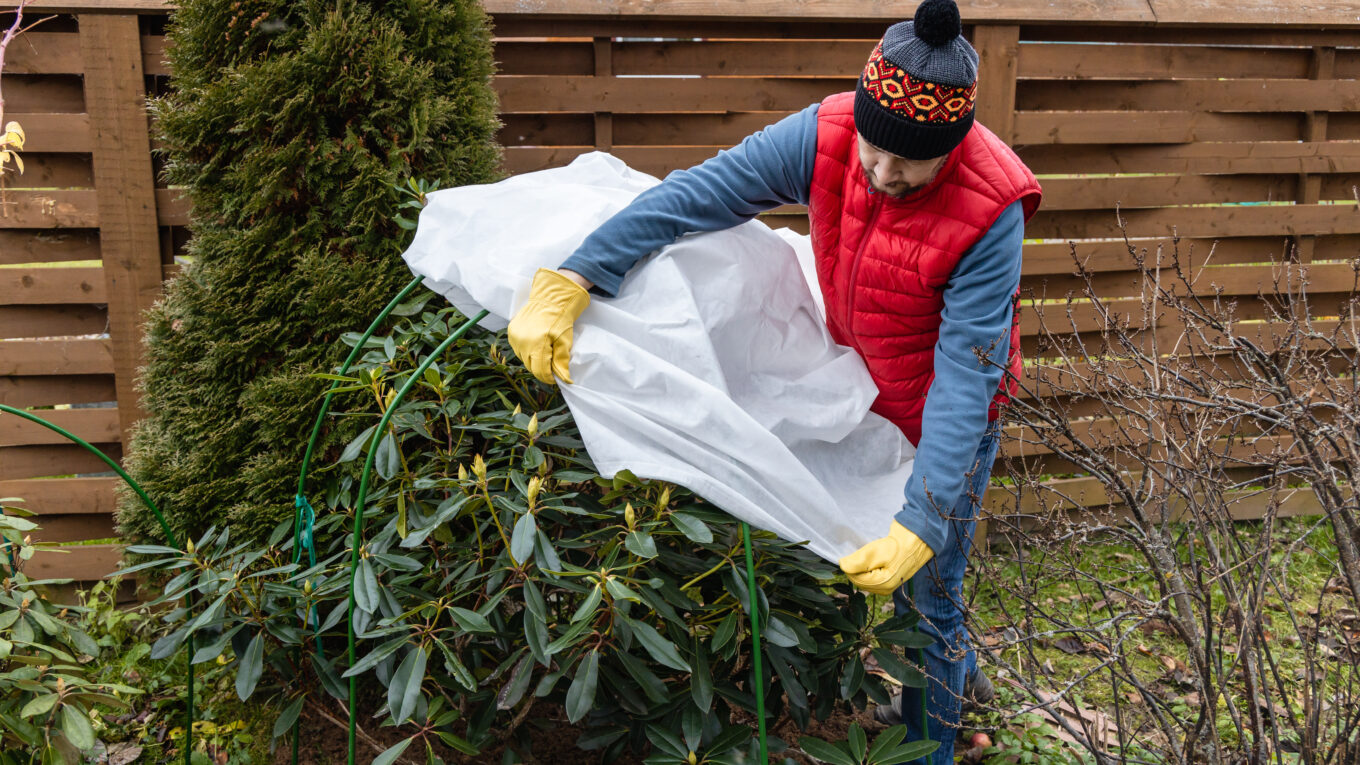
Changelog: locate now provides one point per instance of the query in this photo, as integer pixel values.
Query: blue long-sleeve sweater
(774, 167)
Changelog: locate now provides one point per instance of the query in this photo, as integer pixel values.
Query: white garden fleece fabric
(712, 368)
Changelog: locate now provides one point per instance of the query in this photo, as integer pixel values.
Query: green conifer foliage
(289, 126)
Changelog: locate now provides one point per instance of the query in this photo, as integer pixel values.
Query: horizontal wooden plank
(1264, 220)
(98, 426)
(52, 320)
(717, 130)
(82, 356)
(59, 53)
(554, 27)
(74, 528)
(1244, 95)
(1197, 158)
(1042, 258)
(47, 246)
(1335, 187)
(537, 94)
(1084, 493)
(657, 161)
(47, 132)
(971, 10)
(48, 93)
(78, 208)
(1106, 127)
(1071, 61)
(49, 390)
(1200, 34)
(62, 460)
(83, 563)
(1235, 280)
(745, 58)
(554, 57)
(72, 208)
(54, 170)
(1104, 193)
(1347, 64)
(51, 286)
(65, 496)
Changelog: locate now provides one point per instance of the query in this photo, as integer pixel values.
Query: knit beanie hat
(915, 97)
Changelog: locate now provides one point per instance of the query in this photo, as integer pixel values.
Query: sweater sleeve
(977, 314)
(768, 168)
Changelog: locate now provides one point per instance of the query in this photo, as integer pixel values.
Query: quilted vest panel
(883, 263)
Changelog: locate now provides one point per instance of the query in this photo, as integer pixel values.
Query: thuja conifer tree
(290, 125)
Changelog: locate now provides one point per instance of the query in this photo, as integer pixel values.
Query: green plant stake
(304, 517)
(755, 640)
(169, 535)
(378, 434)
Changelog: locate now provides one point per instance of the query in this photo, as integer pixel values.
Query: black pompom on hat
(915, 97)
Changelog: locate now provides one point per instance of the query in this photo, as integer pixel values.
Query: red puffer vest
(883, 263)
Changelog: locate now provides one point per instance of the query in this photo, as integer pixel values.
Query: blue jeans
(939, 598)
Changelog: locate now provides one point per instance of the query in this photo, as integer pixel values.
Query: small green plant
(1036, 741)
(46, 694)
(886, 749)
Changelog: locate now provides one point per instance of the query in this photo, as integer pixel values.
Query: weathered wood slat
(47, 246)
(1201, 34)
(47, 170)
(74, 528)
(717, 130)
(51, 320)
(1107, 127)
(50, 209)
(47, 132)
(1270, 157)
(98, 426)
(82, 563)
(129, 240)
(64, 496)
(48, 93)
(538, 94)
(1085, 493)
(1198, 158)
(51, 286)
(1264, 220)
(1126, 192)
(59, 53)
(42, 390)
(972, 10)
(559, 27)
(1238, 95)
(21, 462)
(85, 356)
(1132, 61)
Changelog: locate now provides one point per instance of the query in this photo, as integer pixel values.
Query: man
(917, 218)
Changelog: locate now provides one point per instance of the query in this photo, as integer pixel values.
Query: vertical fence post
(998, 48)
(1322, 67)
(115, 98)
(604, 67)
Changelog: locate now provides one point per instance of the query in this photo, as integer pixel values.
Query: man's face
(893, 175)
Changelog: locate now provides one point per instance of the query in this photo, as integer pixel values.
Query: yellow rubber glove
(886, 563)
(541, 332)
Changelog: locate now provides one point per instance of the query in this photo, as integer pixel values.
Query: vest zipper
(854, 271)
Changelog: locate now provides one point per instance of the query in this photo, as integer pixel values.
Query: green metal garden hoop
(169, 535)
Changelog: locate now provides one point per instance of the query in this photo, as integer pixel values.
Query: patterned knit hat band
(916, 95)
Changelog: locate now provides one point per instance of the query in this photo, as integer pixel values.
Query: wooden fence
(1175, 111)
